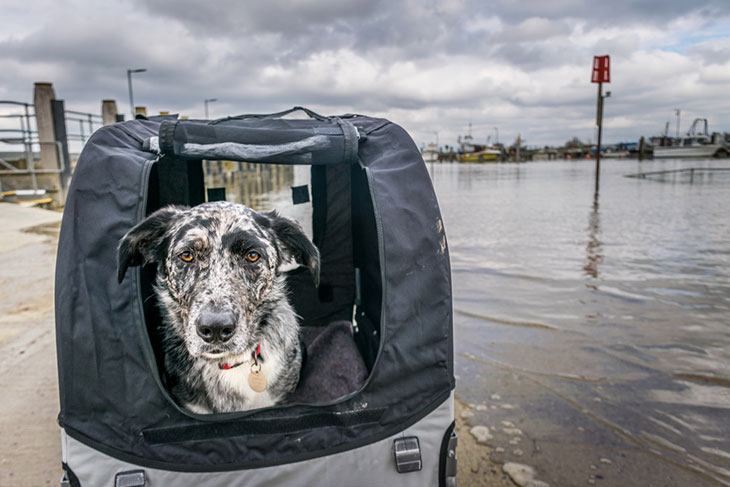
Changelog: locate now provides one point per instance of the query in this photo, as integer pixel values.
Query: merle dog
(221, 287)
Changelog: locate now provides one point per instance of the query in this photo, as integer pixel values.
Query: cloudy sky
(432, 66)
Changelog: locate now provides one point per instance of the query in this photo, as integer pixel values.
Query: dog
(230, 336)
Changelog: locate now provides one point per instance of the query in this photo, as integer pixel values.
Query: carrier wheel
(721, 154)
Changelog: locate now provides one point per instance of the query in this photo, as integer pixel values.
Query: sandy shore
(475, 468)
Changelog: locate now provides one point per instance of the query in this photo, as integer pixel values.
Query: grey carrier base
(385, 267)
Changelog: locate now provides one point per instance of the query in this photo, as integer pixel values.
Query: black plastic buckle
(133, 478)
(407, 453)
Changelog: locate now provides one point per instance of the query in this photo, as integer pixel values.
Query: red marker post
(601, 74)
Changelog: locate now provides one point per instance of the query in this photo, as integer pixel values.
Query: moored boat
(430, 153)
(484, 155)
(696, 144)
(471, 152)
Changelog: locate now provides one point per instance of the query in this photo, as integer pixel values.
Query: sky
(432, 66)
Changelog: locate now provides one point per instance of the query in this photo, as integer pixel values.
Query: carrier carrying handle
(261, 139)
(311, 113)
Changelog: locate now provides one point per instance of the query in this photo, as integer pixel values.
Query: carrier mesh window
(338, 218)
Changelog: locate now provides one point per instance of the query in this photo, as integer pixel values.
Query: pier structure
(40, 142)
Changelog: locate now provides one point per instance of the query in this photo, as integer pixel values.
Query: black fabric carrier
(384, 261)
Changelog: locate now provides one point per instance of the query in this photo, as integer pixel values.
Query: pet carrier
(385, 267)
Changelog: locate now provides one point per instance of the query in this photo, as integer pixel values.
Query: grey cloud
(610, 12)
(712, 52)
(425, 64)
(536, 29)
(232, 18)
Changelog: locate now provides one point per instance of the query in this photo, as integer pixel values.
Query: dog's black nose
(216, 326)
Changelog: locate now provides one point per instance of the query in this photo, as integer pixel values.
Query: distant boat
(430, 153)
(471, 152)
(484, 155)
(616, 154)
(695, 144)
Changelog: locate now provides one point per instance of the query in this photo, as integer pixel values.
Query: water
(592, 328)
(597, 323)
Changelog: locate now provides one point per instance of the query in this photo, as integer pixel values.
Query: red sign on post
(601, 69)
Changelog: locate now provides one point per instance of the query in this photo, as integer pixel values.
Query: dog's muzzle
(216, 327)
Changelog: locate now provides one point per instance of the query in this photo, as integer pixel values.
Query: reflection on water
(593, 248)
(247, 183)
(608, 344)
(262, 187)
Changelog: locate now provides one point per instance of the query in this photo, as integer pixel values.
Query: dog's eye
(186, 256)
(252, 256)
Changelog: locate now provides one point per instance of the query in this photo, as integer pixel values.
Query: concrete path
(30, 453)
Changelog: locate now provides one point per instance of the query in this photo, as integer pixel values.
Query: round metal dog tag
(256, 380)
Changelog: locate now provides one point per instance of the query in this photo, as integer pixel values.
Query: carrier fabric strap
(350, 133)
(228, 429)
(316, 142)
(280, 114)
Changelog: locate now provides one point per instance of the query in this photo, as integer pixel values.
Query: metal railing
(20, 133)
(18, 128)
(24, 134)
(88, 123)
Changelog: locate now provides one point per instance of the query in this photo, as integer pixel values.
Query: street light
(129, 84)
(206, 102)
(678, 113)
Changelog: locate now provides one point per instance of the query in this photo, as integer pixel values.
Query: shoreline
(474, 464)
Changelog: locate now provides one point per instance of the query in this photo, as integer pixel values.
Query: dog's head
(219, 270)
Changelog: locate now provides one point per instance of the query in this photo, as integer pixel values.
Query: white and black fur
(244, 303)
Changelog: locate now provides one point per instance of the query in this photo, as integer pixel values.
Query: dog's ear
(142, 243)
(295, 248)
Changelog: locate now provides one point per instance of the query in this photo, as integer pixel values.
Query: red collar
(255, 355)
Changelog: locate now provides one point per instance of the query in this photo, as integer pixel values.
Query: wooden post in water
(599, 123)
(601, 74)
(642, 143)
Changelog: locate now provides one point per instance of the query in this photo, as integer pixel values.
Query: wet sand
(475, 465)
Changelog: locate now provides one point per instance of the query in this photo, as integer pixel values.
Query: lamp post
(205, 103)
(129, 84)
(678, 113)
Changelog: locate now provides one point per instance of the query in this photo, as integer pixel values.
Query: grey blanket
(332, 367)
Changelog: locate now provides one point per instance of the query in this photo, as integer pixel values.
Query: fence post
(61, 144)
(109, 112)
(43, 96)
